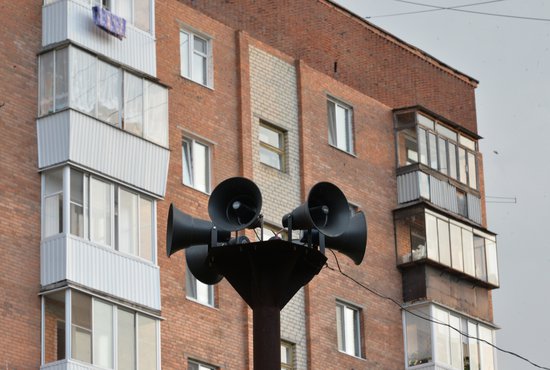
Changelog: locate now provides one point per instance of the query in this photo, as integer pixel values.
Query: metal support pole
(267, 338)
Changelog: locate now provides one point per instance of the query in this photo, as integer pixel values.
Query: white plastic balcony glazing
(66, 257)
(72, 20)
(70, 136)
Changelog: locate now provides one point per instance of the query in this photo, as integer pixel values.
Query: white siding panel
(408, 187)
(100, 268)
(443, 194)
(72, 20)
(53, 139)
(69, 365)
(474, 208)
(73, 136)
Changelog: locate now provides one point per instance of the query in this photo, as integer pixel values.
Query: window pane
(54, 181)
(486, 354)
(270, 136)
(61, 78)
(204, 293)
(77, 203)
(472, 175)
(422, 146)
(433, 150)
(473, 347)
(200, 44)
(126, 340)
(468, 249)
(142, 14)
(432, 239)
(425, 121)
(442, 148)
(83, 81)
(46, 92)
(468, 143)
(133, 104)
(100, 212)
(462, 165)
(456, 344)
(147, 343)
(184, 54)
(199, 68)
(156, 114)
(462, 203)
(452, 160)
(444, 242)
(81, 343)
(146, 229)
(110, 90)
(444, 131)
(456, 247)
(187, 162)
(270, 157)
(201, 167)
(103, 334)
(479, 253)
(54, 327)
(492, 264)
(419, 339)
(342, 122)
(128, 222)
(340, 326)
(53, 219)
(331, 109)
(124, 9)
(349, 331)
(442, 349)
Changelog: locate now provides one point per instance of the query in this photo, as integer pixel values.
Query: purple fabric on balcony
(109, 22)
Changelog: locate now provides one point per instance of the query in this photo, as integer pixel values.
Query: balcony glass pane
(126, 346)
(442, 341)
(77, 203)
(103, 334)
(407, 147)
(486, 355)
(479, 254)
(61, 78)
(133, 104)
(431, 236)
(146, 229)
(54, 327)
(424, 185)
(468, 249)
(444, 242)
(156, 114)
(100, 212)
(468, 143)
(147, 343)
(128, 222)
(446, 132)
(110, 91)
(83, 79)
(456, 247)
(472, 170)
(53, 202)
(142, 14)
(462, 165)
(46, 93)
(473, 346)
(422, 146)
(442, 150)
(81, 342)
(433, 150)
(425, 121)
(492, 264)
(456, 344)
(452, 161)
(419, 338)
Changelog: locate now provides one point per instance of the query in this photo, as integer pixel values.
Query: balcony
(67, 257)
(71, 136)
(72, 20)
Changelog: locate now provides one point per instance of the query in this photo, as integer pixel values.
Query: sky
(511, 59)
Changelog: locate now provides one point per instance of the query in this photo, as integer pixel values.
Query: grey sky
(511, 59)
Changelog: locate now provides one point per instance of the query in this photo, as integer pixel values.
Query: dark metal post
(267, 338)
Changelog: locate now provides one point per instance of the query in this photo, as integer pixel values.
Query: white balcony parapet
(66, 257)
(72, 20)
(70, 136)
(69, 365)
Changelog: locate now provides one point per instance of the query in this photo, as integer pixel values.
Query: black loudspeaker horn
(235, 204)
(326, 210)
(352, 243)
(184, 231)
(199, 264)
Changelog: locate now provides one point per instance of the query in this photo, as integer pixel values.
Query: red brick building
(100, 134)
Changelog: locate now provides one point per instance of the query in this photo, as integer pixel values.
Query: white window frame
(188, 161)
(334, 139)
(290, 348)
(343, 310)
(280, 151)
(192, 282)
(190, 52)
(200, 365)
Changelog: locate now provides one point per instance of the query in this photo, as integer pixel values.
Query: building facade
(105, 125)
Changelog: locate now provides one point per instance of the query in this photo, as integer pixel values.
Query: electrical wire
(437, 9)
(427, 318)
(456, 9)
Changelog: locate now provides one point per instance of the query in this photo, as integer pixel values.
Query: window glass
(462, 203)
(472, 169)
(456, 343)
(103, 334)
(349, 340)
(433, 150)
(54, 327)
(442, 347)
(444, 242)
(452, 161)
(77, 203)
(196, 165)
(287, 356)
(187, 162)
(462, 165)
(422, 146)
(479, 253)
(419, 338)
(146, 229)
(81, 343)
(340, 130)
(468, 249)
(128, 222)
(271, 147)
(442, 148)
(456, 247)
(126, 332)
(418, 243)
(109, 86)
(486, 355)
(133, 104)
(425, 121)
(446, 132)
(156, 114)
(492, 265)
(100, 212)
(124, 9)
(198, 291)
(53, 202)
(468, 143)
(473, 346)
(199, 61)
(61, 78)
(46, 93)
(432, 238)
(184, 54)
(142, 14)
(195, 54)
(147, 343)
(407, 147)
(83, 79)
